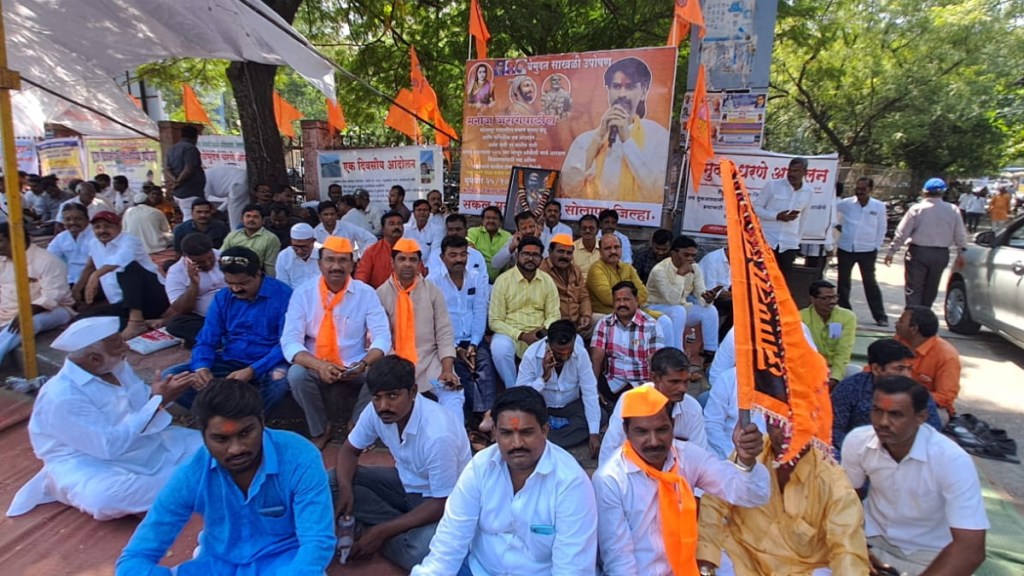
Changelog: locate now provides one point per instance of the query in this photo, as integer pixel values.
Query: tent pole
(10, 80)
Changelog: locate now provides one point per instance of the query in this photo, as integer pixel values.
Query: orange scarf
(627, 182)
(678, 512)
(405, 322)
(327, 338)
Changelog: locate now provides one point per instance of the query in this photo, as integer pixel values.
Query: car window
(1016, 238)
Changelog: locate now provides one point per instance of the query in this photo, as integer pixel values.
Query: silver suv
(986, 290)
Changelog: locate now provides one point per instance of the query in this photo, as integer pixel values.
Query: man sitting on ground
(256, 238)
(587, 252)
(852, 398)
(72, 245)
(423, 230)
(609, 220)
(262, 494)
(573, 296)
(281, 221)
(924, 513)
(400, 504)
(611, 270)
(191, 284)
(558, 367)
(455, 225)
(526, 226)
(521, 506)
(936, 363)
(718, 278)
(106, 443)
(375, 267)
(88, 197)
(489, 238)
(300, 261)
(202, 222)
(552, 225)
(676, 287)
(658, 250)
(348, 207)
(833, 329)
(624, 343)
(149, 225)
(329, 225)
(647, 520)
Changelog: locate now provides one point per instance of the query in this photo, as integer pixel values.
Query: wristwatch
(707, 571)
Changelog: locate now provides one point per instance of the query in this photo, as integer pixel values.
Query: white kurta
(106, 450)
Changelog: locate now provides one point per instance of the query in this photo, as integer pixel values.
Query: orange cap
(338, 244)
(406, 245)
(563, 239)
(642, 401)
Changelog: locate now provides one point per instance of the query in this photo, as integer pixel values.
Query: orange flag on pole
(285, 114)
(777, 371)
(193, 109)
(698, 127)
(335, 117)
(423, 94)
(686, 12)
(400, 119)
(478, 29)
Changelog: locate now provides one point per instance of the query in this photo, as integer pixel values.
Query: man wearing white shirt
(88, 197)
(862, 223)
(609, 220)
(372, 212)
(718, 278)
(467, 295)
(558, 366)
(191, 284)
(106, 443)
(780, 206)
(325, 335)
(72, 245)
(456, 225)
(643, 530)
(330, 226)
(924, 512)
(351, 214)
(522, 506)
(228, 187)
(552, 225)
(119, 195)
(299, 262)
(400, 505)
(677, 289)
(148, 224)
(438, 211)
(670, 375)
(420, 229)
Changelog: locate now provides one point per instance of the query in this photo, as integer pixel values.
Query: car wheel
(958, 315)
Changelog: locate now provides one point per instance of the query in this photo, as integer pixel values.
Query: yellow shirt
(585, 258)
(602, 277)
(818, 522)
(518, 305)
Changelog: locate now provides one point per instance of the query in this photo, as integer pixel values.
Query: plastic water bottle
(346, 537)
(691, 336)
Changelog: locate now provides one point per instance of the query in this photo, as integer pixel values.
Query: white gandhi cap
(302, 231)
(86, 332)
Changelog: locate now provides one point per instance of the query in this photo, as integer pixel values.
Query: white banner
(418, 169)
(704, 212)
(221, 151)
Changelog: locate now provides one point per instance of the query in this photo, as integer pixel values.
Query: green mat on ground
(1003, 550)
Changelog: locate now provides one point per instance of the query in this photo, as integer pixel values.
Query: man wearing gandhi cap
(421, 328)
(334, 330)
(106, 443)
(573, 297)
(301, 261)
(646, 489)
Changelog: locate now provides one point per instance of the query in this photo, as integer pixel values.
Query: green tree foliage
(921, 84)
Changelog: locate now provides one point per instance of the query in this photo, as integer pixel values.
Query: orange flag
(699, 129)
(335, 117)
(478, 29)
(193, 109)
(135, 100)
(400, 119)
(285, 114)
(686, 12)
(423, 94)
(776, 369)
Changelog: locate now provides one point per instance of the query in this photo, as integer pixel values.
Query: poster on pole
(62, 157)
(704, 211)
(418, 169)
(28, 158)
(599, 118)
(221, 151)
(737, 119)
(136, 158)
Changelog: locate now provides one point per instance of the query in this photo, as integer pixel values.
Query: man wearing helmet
(931, 226)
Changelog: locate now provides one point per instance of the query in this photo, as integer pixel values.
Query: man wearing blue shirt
(262, 494)
(467, 295)
(241, 335)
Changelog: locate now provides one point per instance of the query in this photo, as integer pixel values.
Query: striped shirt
(629, 348)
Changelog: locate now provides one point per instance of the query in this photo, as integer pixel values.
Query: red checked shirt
(628, 349)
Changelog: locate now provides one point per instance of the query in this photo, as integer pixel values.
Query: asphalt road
(992, 377)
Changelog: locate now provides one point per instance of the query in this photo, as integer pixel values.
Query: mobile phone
(794, 212)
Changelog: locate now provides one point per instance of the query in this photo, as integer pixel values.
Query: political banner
(418, 169)
(221, 151)
(62, 157)
(600, 118)
(737, 120)
(704, 211)
(28, 158)
(136, 158)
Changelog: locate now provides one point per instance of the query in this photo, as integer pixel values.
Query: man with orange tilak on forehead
(647, 514)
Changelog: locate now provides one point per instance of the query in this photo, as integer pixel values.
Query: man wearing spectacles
(833, 329)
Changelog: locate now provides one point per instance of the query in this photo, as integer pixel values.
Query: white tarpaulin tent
(75, 49)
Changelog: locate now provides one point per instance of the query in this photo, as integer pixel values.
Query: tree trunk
(253, 86)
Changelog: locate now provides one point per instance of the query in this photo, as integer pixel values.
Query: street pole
(10, 80)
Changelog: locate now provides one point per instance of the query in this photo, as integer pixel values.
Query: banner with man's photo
(599, 118)
(62, 157)
(704, 212)
(138, 159)
(418, 169)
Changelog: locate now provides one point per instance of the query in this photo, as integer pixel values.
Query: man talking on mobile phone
(781, 205)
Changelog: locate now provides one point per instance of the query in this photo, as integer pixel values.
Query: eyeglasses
(832, 298)
(536, 255)
(233, 261)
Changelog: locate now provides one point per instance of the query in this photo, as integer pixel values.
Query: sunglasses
(234, 261)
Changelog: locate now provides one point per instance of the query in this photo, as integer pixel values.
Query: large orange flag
(423, 94)
(686, 12)
(776, 369)
(193, 109)
(285, 114)
(478, 29)
(400, 119)
(699, 129)
(335, 117)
